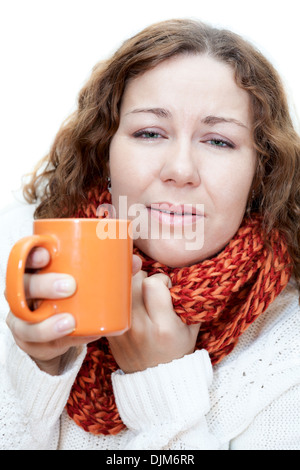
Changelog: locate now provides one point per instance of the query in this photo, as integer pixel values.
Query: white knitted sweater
(251, 400)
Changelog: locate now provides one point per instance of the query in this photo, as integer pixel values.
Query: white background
(48, 48)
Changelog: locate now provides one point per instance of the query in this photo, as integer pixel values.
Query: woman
(182, 116)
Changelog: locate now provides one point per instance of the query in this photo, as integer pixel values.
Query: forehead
(190, 84)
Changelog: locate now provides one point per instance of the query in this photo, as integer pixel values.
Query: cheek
(128, 175)
(124, 161)
(229, 193)
(229, 185)
(132, 169)
(121, 166)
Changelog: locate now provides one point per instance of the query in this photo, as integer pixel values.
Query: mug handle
(15, 292)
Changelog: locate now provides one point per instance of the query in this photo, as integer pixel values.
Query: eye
(147, 135)
(221, 143)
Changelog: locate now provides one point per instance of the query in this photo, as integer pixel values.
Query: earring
(109, 184)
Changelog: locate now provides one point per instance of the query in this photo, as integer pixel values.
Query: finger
(38, 258)
(136, 264)
(157, 297)
(138, 309)
(138, 278)
(48, 286)
(137, 282)
(49, 330)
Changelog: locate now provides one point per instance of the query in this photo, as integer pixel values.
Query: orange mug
(98, 254)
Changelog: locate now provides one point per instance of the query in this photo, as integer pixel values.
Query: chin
(170, 252)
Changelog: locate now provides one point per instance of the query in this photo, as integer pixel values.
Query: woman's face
(183, 156)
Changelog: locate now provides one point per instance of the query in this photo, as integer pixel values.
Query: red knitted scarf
(225, 293)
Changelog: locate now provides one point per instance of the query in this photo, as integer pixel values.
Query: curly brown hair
(77, 161)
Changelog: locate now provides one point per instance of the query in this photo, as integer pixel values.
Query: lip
(181, 209)
(176, 214)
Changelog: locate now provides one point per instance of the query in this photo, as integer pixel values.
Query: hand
(46, 342)
(157, 334)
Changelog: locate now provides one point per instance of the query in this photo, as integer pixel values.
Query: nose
(179, 166)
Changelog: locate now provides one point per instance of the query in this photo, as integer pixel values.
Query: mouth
(176, 214)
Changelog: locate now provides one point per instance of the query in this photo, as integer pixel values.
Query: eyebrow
(164, 113)
(217, 119)
(160, 112)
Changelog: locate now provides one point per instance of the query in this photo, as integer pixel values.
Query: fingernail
(65, 325)
(65, 285)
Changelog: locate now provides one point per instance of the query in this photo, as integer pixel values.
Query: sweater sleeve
(164, 407)
(31, 401)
